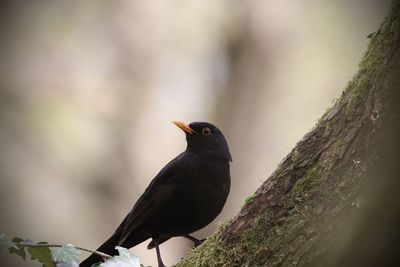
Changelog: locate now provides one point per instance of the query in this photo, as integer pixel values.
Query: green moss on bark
(307, 185)
(248, 200)
(260, 242)
(210, 253)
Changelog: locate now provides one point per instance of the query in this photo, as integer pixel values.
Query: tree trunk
(333, 200)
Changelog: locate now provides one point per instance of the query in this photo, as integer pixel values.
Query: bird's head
(205, 137)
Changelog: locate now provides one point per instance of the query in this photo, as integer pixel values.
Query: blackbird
(185, 196)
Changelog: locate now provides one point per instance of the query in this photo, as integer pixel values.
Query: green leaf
(125, 259)
(5, 242)
(18, 250)
(125, 254)
(67, 253)
(17, 240)
(42, 254)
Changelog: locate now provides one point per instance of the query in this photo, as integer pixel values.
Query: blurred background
(88, 91)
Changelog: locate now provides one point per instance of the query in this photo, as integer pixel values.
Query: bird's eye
(206, 131)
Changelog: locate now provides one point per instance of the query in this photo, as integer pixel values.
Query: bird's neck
(210, 154)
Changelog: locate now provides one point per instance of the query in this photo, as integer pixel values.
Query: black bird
(185, 196)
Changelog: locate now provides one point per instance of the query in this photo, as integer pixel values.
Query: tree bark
(333, 199)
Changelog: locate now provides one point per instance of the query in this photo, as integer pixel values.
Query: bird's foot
(197, 242)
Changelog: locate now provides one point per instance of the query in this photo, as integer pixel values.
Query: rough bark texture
(304, 214)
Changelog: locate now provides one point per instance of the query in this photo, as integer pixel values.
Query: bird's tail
(108, 247)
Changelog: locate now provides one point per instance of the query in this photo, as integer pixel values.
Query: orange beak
(184, 127)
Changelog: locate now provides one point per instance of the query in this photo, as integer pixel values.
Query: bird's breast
(201, 192)
(205, 194)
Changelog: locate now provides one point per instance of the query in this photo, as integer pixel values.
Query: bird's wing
(161, 188)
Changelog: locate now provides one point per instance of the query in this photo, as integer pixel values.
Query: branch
(101, 254)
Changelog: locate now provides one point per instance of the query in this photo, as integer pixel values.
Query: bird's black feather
(186, 195)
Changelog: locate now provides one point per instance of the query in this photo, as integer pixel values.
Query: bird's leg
(196, 241)
(160, 263)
